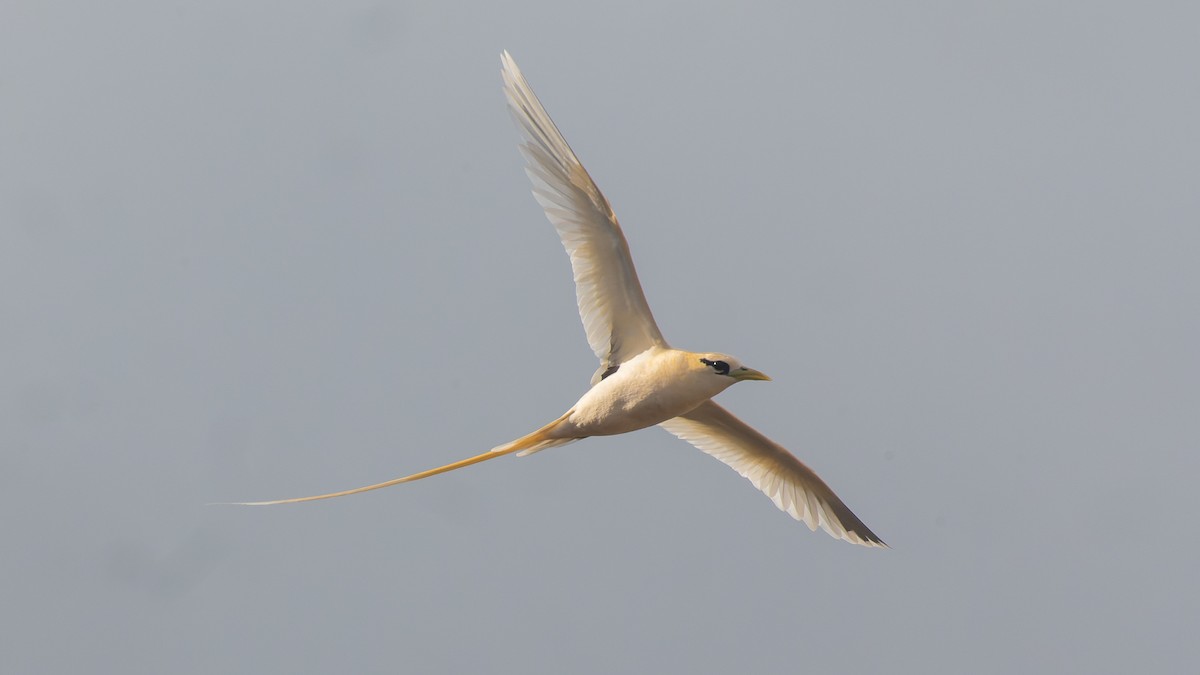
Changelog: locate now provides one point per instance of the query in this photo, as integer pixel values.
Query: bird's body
(654, 386)
(641, 381)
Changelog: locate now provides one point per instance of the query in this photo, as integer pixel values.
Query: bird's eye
(720, 367)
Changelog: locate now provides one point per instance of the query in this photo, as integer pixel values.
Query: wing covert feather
(789, 483)
(613, 307)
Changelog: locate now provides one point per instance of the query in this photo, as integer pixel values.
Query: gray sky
(264, 250)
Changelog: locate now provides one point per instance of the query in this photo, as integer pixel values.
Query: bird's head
(727, 367)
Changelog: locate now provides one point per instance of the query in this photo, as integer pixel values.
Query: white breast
(653, 387)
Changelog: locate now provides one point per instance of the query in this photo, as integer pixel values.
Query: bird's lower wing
(613, 307)
(793, 487)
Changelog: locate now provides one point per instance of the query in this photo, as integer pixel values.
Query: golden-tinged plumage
(641, 380)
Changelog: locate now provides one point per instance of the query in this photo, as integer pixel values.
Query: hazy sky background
(268, 249)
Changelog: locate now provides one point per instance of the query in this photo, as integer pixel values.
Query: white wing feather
(793, 487)
(613, 307)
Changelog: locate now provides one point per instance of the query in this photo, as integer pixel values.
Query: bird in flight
(642, 381)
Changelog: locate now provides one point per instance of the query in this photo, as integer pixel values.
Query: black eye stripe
(720, 367)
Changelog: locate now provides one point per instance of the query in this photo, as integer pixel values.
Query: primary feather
(789, 483)
(613, 307)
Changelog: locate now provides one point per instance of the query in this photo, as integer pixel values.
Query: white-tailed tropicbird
(642, 381)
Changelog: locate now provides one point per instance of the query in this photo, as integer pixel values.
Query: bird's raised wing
(613, 307)
(793, 487)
